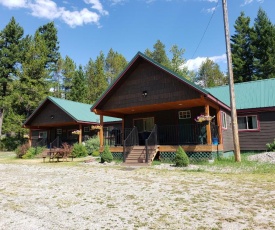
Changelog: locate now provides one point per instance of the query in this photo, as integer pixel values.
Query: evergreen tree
(177, 62)
(49, 34)
(79, 87)
(90, 75)
(98, 81)
(68, 72)
(264, 46)
(10, 55)
(159, 54)
(241, 47)
(32, 86)
(209, 74)
(115, 63)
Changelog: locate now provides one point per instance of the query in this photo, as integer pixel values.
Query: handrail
(55, 143)
(129, 142)
(151, 142)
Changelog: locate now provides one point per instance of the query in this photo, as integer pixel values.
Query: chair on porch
(202, 135)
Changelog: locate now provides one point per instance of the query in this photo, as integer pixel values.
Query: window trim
(224, 118)
(184, 114)
(86, 129)
(249, 130)
(59, 131)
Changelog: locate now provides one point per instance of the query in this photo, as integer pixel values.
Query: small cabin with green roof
(57, 120)
(161, 110)
(255, 104)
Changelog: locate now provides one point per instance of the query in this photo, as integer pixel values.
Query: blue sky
(86, 27)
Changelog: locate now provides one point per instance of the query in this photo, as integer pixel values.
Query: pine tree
(32, 86)
(115, 63)
(79, 87)
(68, 72)
(242, 50)
(10, 55)
(209, 74)
(98, 79)
(159, 54)
(264, 46)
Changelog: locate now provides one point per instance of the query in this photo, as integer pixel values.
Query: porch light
(144, 93)
(52, 116)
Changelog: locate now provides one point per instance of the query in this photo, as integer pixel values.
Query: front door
(145, 127)
(185, 127)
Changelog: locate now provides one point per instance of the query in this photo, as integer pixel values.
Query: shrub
(22, 150)
(96, 153)
(271, 146)
(79, 150)
(181, 159)
(106, 155)
(92, 145)
(32, 152)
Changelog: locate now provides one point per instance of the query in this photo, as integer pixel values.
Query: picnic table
(57, 153)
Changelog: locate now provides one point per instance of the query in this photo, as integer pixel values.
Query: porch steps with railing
(137, 156)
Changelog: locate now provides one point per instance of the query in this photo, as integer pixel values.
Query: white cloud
(50, 10)
(246, 2)
(14, 3)
(194, 64)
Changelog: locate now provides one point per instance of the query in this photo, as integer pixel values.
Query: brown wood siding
(43, 117)
(257, 140)
(227, 134)
(161, 88)
(168, 117)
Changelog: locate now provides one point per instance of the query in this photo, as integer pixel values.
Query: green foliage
(92, 145)
(32, 152)
(181, 159)
(11, 143)
(209, 74)
(78, 85)
(253, 48)
(106, 155)
(96, 153)
(271, 146)
(79, 150)
(22, 150)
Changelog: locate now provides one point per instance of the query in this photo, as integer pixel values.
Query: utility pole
(231, 86)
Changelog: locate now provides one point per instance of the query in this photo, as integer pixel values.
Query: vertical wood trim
(101, 131)
(80, 134)
(30, 137)
(219, 123)
(123, 129)
(208, 128)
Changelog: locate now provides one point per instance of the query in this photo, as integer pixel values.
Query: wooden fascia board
(106, 113)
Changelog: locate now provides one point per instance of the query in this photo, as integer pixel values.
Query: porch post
(219, 123)
(101, 131)
(208, 127)
(80, 134)
(30, 137)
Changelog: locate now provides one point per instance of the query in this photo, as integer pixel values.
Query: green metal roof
(79, 111)
(248, 95)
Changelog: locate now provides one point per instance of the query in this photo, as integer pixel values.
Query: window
(59, 131)
(184, 114)
(224, 121)
(86, 129)
(42, 134)
(144, 124)
(248, 123)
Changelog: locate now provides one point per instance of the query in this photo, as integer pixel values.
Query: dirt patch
(96, 196)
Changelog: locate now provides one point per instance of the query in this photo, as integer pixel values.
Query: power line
(206, 28)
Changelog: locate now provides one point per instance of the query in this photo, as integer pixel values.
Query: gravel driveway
(95, 196)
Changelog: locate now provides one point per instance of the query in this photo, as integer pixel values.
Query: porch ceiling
(177, 105)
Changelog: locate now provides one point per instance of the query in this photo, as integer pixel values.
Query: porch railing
(56, 143)
(130, 141)
(190, 134)
(150, 143)
(39, 143)
(115, 137)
